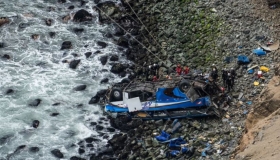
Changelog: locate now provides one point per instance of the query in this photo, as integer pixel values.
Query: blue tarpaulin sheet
(259, 52)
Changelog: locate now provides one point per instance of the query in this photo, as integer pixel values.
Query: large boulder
(108, 9)
(73, 64)
(57, 153)
(118, 68)
(3, 20)
(82, 15)
(66, 45)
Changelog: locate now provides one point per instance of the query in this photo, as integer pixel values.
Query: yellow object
(256, 83)
(264, 69)
(142, 114)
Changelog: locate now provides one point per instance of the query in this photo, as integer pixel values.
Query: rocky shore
(194, 33)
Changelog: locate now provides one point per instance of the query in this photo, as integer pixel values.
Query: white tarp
(133, 104)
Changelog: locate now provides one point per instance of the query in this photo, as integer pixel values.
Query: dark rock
(6, 56)
(76, 158)
(91, 139)
(80, 87)
(89, 145)
(5, 139)
(122, 41)
(82, 15)
(57, 153)
(110, 129)
(35, 124)
(34, 149)
(81, 151)
(74, 63)
(56, 104)
(1, 45)
(108, 35)
(23, 25)
(117, 68)
(66, 45)
(117, 142)
(114, 57)
(83, 2)
(104, 80)
(102, 92)
(122, 74)
(61, 1)
(75, 54)
(93, 123)
(52, 34)
(78, 30)
(102, 44)
(88, 54)
(94, 100)
(119, 32)
(71, 7)
(54, 114)
(9, 91)
(103, 59)
(96, 1)
(99, 128)
(97, 52)
(49, 22)
(35, 103)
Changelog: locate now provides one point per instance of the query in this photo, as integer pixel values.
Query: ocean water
(36, 71)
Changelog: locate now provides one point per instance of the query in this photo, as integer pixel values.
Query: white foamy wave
(36, 71)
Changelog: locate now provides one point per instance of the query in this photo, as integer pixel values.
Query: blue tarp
(259, 52)
(243, 59)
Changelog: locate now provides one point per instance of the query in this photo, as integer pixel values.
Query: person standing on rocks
(214, 73)
(224, 76)
(233, 75)
(186, 70)
(229, 82)
(179, 69)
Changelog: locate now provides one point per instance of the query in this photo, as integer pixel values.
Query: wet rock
(23, 25)
(76, 158)
(3, 20)
(102, 44)
(108, 35)
(61, 1)
(57, 153)
(56, 104)
(66, 45)
(106, 9)
(34, 149)
(54, 114)
(81, 150)
(103, 59)
(96, 1)
(117, 68)
(6, 56)
(104, 80)
(91, 139)
(78, 30)
(35, 124)
(114, 58)
(10, 91)
(88, 54)
(80, 87)
(99, 127)
(35, 103)
(82, 16)
(49, 22)
(94, 100)
(5, 139)
(110, 129)
(71, 7)
(52, 34)
(83, 2)
(118, 32)
(123, 42)
(1, 45)
(74, 63)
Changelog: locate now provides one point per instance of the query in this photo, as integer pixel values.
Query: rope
(143, 25)
(131, 35)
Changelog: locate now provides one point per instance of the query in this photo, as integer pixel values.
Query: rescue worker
(224, 76)
(233, 75)
(229, 82)
(186, 70)
(214, 73)
(179, 69)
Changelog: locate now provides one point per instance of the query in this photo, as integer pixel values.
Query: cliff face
(261, 140)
